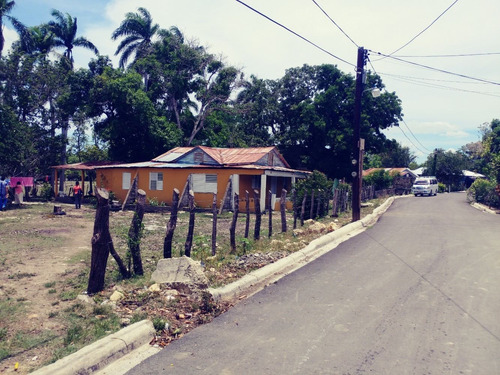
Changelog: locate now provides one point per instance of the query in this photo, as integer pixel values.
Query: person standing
(4, 188)
(19, 193)
(78, 193)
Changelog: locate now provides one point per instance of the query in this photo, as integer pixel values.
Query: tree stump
(135, 232)
(214, 224)
(232, 229)
(270, 225)
(258, 215)
(283, 210)
(169, 235)
(247, 209)
(189, 239)
(100, 244)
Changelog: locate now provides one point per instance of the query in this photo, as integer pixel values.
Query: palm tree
(138, 32)
(36, 40)
(64, 30)
(5, 8)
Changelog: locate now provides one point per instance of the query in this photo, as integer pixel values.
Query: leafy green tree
(447, 166)
(380, 179)
(395, 155)
(126, 118)
(491, 150)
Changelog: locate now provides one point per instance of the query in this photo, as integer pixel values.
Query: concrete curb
(102, 352)
(482, 207)
(256, 280)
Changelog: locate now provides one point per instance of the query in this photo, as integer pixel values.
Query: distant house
(205, 171)
(403, 172)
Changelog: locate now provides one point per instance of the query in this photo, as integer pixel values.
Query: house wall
(111, 179)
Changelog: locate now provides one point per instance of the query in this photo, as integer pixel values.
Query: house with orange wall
(205, 171)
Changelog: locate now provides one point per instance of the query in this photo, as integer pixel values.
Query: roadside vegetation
(44, 267)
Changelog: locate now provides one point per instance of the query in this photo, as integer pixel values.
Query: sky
(445, 97)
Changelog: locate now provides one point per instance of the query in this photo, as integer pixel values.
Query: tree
(138, 32)
(395, 155)
(64, 29)
(491, 152)
(447, 166)
(5, 8)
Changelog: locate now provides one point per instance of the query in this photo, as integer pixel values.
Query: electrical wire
(420, 143)
(335, 23)
(424, 30)
(434, 85)
(451, 55)
(437, 69)
(295, 33)
(409, 140)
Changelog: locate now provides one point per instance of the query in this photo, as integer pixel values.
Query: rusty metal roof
(224, 156)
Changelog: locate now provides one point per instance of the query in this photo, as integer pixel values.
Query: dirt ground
(44, 263)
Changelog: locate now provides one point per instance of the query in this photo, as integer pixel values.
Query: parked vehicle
(425, 185)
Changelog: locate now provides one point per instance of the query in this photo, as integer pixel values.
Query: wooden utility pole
(357, 147)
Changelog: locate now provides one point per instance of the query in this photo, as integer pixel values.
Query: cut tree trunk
(258, 214)
(135, 233)
(189, 239)
(214, 224)
(169, 235)
(232, 229)
(100, 243)
(283, 210)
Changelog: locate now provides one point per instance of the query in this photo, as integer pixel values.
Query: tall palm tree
(138, 32)
(36, 40)
(5, 8)
(64, 29)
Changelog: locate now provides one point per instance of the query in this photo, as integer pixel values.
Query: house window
(256, 182)
(155, 181)
(204, 183)
(126, 179)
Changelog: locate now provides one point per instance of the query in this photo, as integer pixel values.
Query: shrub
(441, 187)
(483, 191)
(379, 179)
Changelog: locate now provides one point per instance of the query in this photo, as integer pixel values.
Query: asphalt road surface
(418, 293)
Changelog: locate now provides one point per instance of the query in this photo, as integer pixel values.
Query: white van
(425, 185)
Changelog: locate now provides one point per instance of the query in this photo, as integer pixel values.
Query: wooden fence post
(294, 200)
(270, 214)
(135, 233)
(335, 203)
(232, 229)
(189, 239)
(247, 208)
(283, 210)
(311, 211)
(303, 209)
(100, 244)
(214, 224)
(318, 205)
(258, 214)
(169, 235)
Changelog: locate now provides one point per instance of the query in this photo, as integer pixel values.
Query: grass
(81, 323)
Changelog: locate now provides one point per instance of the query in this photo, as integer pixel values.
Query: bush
(483, 191)
(317, 182)
(379, 179)
(441, 187)
(46, 192)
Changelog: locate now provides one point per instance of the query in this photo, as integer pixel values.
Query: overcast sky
(441, 110)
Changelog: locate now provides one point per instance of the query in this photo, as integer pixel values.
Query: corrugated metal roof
(89, 165)
(224, 156)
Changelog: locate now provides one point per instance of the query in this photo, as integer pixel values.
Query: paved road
(418, 293)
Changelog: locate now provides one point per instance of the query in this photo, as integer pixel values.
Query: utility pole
(357, 160)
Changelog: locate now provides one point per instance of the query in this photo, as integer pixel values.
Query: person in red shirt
(77, 191)
(19, 193)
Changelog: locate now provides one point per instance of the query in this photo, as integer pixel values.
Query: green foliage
(159, 323)
(441, 187)
(483, 191)
(381, 179)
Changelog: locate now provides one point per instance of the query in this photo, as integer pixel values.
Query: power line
(295, 33)
(424, 30)
(437, 69)
(409, 140)
(420, 143)
(335, 23)
(434, 85)
(452, 55)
